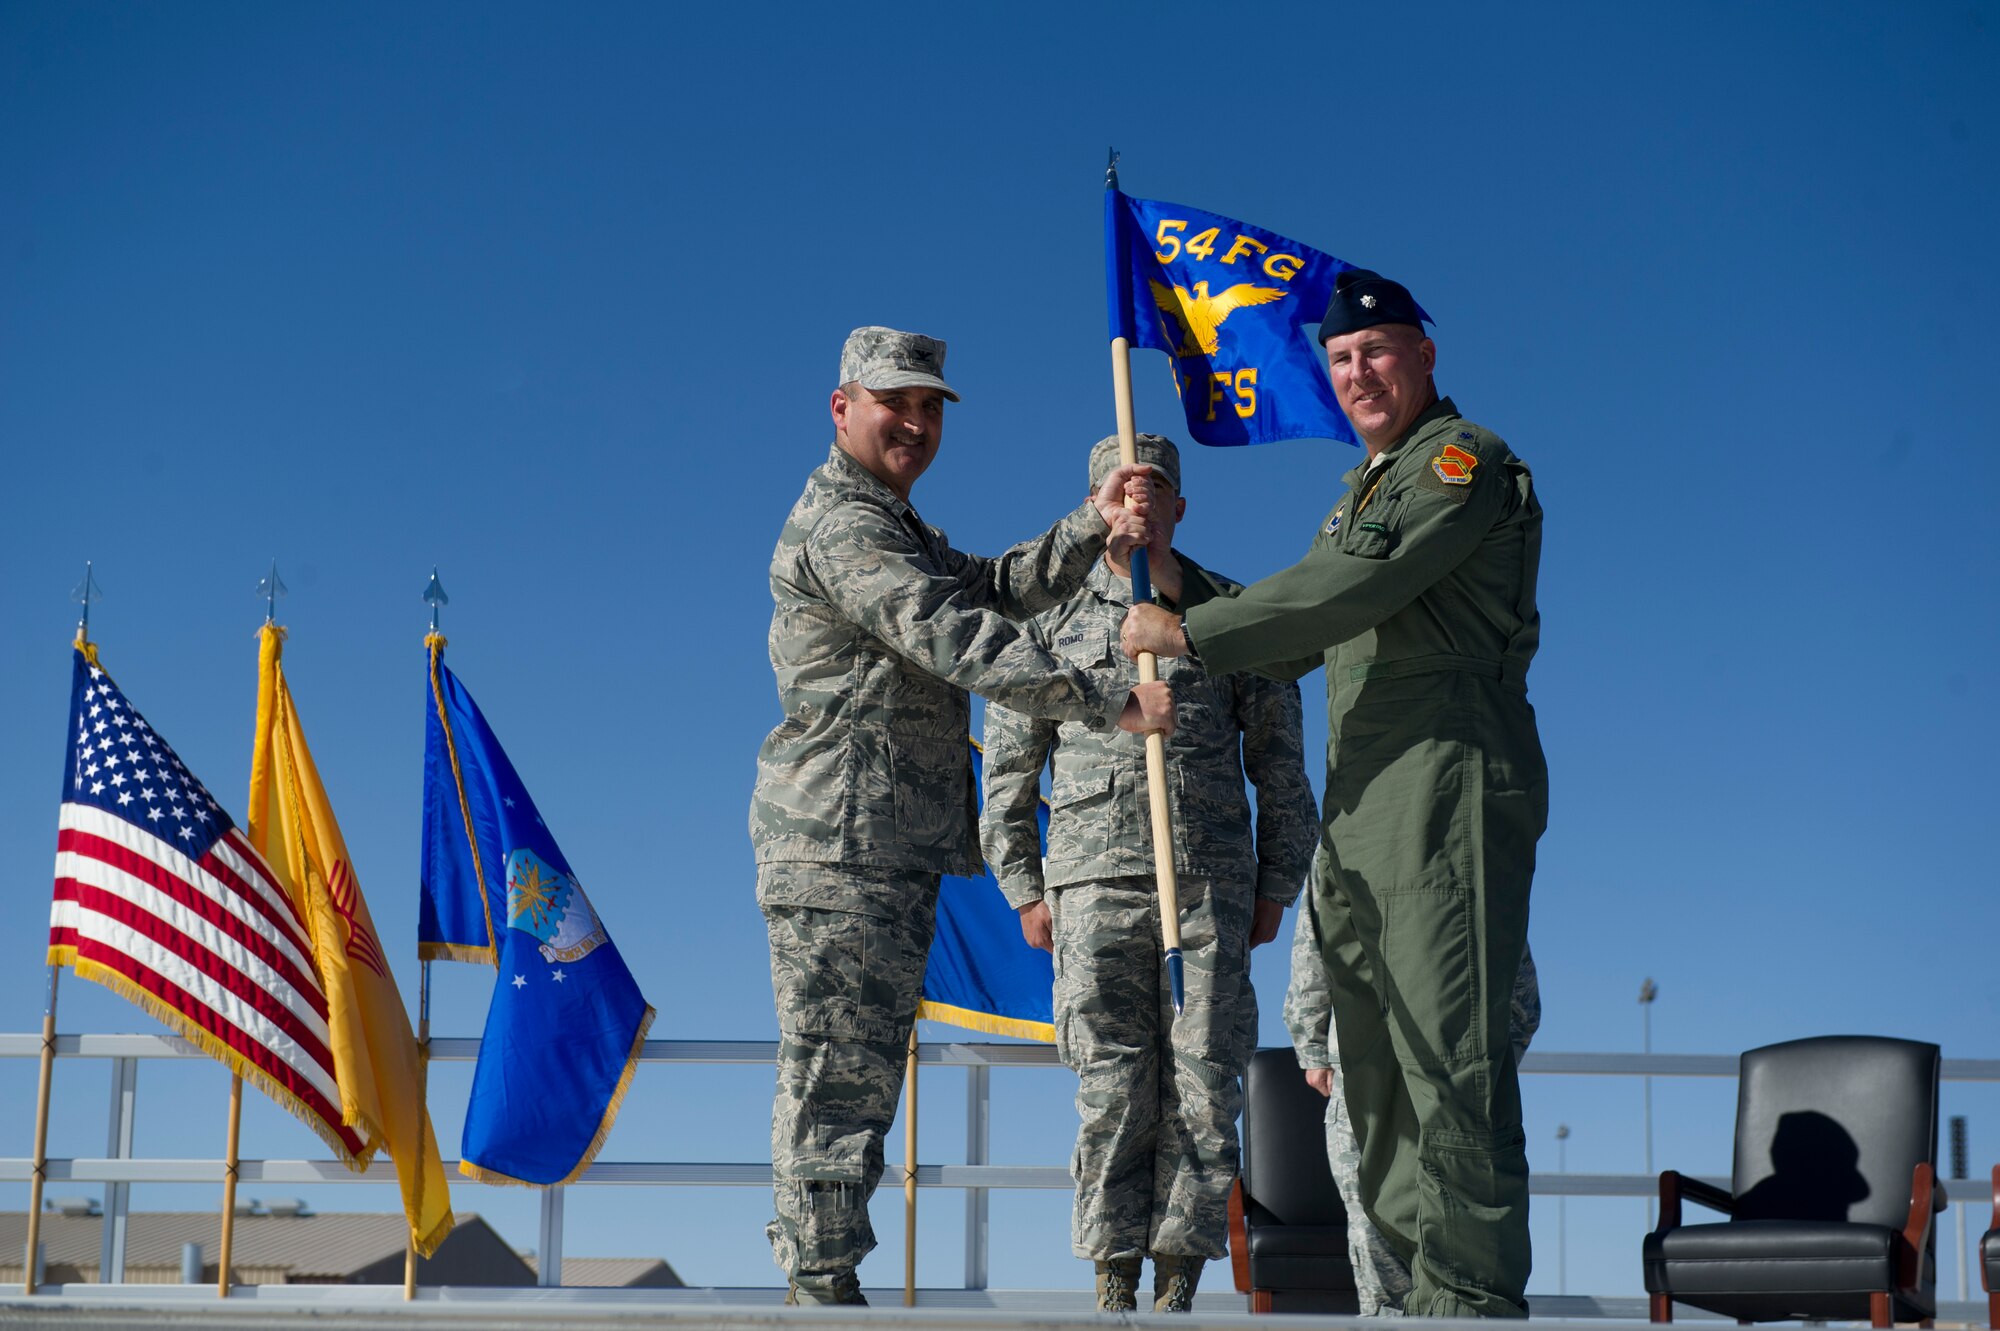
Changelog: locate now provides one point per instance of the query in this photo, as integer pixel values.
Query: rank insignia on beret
(1454, 466)
(1367, 302)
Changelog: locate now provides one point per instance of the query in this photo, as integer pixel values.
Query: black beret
(1362, 299)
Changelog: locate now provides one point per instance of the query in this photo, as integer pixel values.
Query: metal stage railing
(118, 1169)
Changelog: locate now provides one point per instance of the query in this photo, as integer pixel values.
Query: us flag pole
(86, 592)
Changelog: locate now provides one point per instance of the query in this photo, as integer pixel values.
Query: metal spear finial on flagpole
(271, 587)
(434, 597)
(1111, 171)
(83, 594)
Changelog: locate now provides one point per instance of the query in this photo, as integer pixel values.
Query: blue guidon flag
(982, 975)
(1225, 301)
(567, 1021)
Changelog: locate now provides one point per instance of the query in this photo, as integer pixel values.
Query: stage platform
(382, 1308)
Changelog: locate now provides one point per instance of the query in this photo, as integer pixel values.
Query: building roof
(615, 1273)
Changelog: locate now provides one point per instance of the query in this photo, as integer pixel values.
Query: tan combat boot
(1118, 1285)
(1174, 1281)
(842, 1288)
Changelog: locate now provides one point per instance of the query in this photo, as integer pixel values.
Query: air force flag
(982, 975)
(1225, 301)
(567, 1021)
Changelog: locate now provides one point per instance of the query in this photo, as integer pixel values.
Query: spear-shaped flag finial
(271, 587)
(434, 597)
(1111, 171)
(83, 594)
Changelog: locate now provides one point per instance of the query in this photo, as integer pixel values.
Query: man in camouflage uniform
(864, 790)
(1158, 1095)
(1381, 1278)
(1418, 596)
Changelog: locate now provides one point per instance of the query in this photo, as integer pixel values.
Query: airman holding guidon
(864, 790)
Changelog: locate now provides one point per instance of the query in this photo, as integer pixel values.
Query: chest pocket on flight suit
(1373, 535)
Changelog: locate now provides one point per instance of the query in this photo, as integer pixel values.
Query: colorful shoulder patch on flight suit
(1451, 470)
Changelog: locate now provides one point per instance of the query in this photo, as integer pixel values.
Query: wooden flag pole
(1149, 671)
(229, 1163)
(910, 1172)
(41, 1133)
(86, 592)
(423, 1093)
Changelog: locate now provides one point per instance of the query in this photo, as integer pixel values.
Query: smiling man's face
(892, 432)
(1382, 377)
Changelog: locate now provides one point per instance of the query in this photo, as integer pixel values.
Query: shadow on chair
(1287, 1229)
(1832, 1196)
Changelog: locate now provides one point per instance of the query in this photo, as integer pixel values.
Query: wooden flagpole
(42, 1127)
(86, 592)
(270, 587)
(229, 1163)
(1149, 672)
(910, 1172)
(423, 1096)
(434, 597)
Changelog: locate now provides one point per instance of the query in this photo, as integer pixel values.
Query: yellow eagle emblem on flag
(1202, 315)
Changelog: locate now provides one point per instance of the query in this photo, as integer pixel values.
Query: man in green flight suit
(1418, 596)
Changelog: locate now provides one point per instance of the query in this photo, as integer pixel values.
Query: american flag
(159, 896)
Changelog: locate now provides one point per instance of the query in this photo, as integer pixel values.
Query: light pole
(1562, 1211)
(1648, 991)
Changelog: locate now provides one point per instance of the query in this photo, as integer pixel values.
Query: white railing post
(548, 1266)
(118, 1146)
(978, 1146)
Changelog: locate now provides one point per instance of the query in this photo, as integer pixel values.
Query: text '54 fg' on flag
(161, 898)
(375, 1055)
(982, 974)
(567, 1022)
(1226, 301)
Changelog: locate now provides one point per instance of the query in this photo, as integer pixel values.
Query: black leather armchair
(1989, 1259)
(1287, 1228)
(1833, 1193)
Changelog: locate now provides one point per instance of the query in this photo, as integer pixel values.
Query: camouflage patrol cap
(1155, 451)
(882, 358)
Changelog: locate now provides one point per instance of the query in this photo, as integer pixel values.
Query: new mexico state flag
(375, 1056)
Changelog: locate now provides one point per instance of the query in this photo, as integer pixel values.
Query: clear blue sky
(552, 298)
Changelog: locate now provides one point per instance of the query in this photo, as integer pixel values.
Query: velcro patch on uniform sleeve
(1449, 473)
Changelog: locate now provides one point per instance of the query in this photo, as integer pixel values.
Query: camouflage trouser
(846, 984)
(1156, 1154)
(1381, 1278)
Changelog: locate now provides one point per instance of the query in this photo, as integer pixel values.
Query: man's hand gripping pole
(1149, 671)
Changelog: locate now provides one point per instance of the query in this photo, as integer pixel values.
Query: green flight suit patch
(1450, 473)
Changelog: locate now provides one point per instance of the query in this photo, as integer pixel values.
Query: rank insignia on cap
(1367, 302)
(1454, 466)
